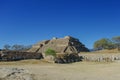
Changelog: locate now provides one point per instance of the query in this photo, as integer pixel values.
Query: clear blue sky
(29, 21)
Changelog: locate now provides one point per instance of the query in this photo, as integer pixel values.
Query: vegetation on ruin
(50, 52)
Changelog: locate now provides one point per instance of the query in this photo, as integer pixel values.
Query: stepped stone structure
(67, 44)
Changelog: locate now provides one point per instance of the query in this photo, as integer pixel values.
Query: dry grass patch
(25, 62)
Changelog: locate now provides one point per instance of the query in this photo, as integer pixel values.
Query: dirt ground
(76, 71)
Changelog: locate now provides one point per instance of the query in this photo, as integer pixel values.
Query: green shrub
(50, 52)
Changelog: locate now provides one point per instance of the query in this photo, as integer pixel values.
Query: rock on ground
(15, 74)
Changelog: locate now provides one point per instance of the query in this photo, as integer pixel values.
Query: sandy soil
(74, 71)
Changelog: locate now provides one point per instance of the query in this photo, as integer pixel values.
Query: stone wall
(106, 57)
(67, 58)
(17, 55)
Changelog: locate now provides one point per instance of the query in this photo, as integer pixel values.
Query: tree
(27, 47)
(17, 47)
(103, 43)
(6, 47)
(20, 47)
(116, 41)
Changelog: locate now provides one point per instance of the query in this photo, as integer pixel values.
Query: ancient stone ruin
(66, 50)
(17, 55)
(67, 44)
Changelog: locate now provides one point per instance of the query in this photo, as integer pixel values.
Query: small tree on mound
(116, 41)
(103, 44)
(50, 52)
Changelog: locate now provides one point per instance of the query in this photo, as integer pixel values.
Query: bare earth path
(74, 71)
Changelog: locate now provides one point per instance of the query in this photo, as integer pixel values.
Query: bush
(50, 52)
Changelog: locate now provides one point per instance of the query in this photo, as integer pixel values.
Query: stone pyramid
(67, 44)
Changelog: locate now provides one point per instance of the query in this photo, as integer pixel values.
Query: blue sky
(30, 21)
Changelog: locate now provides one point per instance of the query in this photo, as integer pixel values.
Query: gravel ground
(51, 71)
